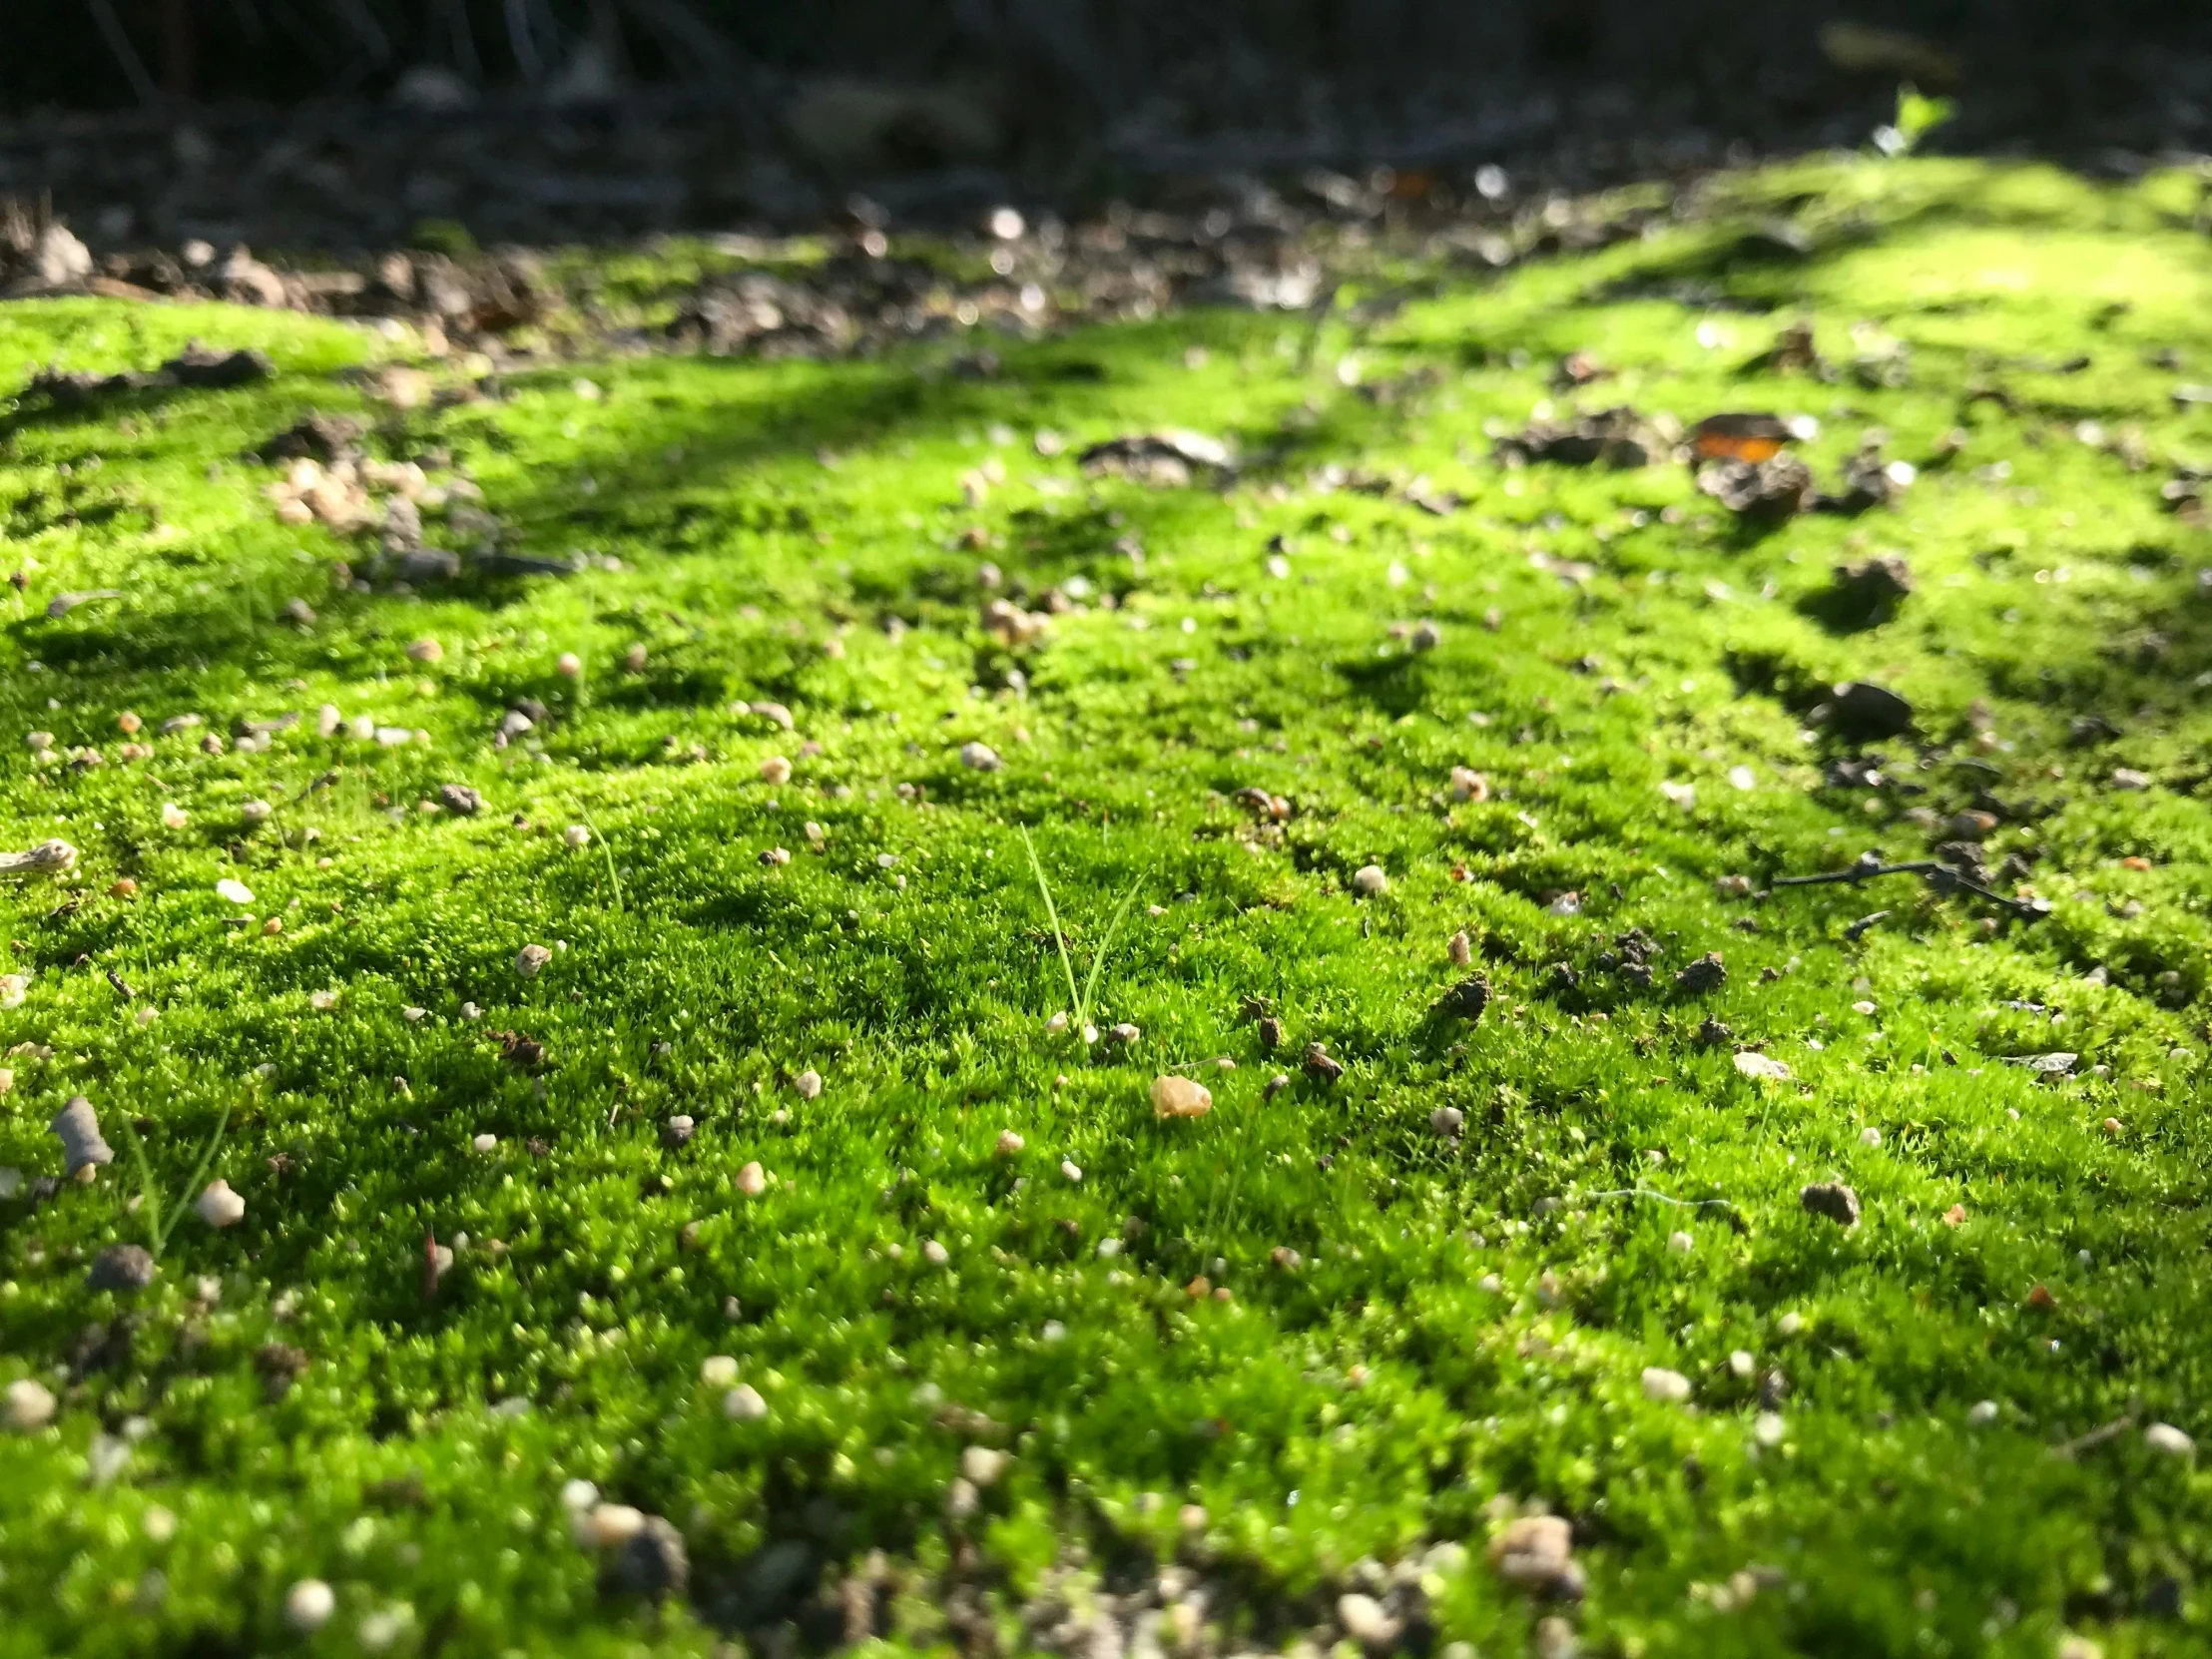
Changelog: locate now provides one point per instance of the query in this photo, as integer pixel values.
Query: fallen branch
(1940, 876)
(2095, 1438)
(46, 858)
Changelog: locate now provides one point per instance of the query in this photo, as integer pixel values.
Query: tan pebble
(610, 1524)
(752, 1180)
(569, 664)
(530, 958)
(1179, 1097)
(274, 925)
(634, 659)
(1459, 949)
(718, 1371)
(128, 723)
(776, 770)
(427, 651)
(1370, 879)
(124, 887)
(1468, 784)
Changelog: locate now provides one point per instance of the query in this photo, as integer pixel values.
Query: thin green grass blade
(1106, 945)
(1059, 933)
(191, 1185)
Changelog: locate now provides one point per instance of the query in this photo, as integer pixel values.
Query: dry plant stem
(46, 858)
(1938, 876)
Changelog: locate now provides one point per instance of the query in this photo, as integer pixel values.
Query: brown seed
(124, 887)
(1318, 1066)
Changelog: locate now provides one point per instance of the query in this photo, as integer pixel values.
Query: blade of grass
(612, 875)
(1059, 934)
(151, 1201)
(1106, 945)
(192, 1186)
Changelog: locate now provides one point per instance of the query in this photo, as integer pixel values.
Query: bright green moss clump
(1310, 1329)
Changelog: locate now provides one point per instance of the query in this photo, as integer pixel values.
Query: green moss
(1377, 1398)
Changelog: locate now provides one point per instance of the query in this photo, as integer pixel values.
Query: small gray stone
(461, 798)
(121, 1267)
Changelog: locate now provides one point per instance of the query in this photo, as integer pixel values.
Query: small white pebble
(1490, 1284)
(530, 958)
(30, 1405)
(612, 1524)
(569, 664)
(1740, 1362)
(1070, 1169)
(776, 770)
(1869, 1136)
(576, 835)
(1108, 1249)
(1010, 1143)
(578, 1494)
(413, 1015)
(1790, 1323)
(2165, 1437)
(485, 1142)
(219, 1206)
(980, 756)
(1370, 879)
(233, 891)
(718, 1371)
(1053, 1331)
(744, 1403)
(1668, 1387)
(159, 1524)
(309, 1604)
(936, 1254)
(807, 1083)
(980, 1465)
(1861, 1007)
(752, 1180)
(1681, 1243)
(1766, 1428)
(1981, 1412)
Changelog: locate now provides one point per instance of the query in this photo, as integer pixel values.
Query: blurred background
(351, 121)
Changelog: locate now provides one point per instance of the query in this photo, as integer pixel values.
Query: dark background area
(349, 121)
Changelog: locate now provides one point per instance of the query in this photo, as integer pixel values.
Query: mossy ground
(1379, 1398)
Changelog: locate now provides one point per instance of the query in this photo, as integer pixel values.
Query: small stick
(2096, 1437)
(46, 858)
(1938, 876)
(1858, 929)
